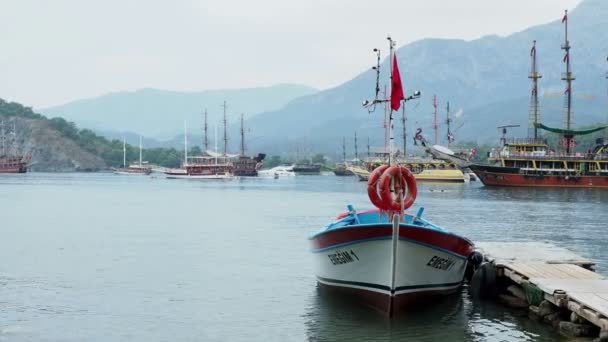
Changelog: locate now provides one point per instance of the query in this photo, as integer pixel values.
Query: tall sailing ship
(11, 162)
(141, 168)
(532, 162)
(209, 165)
(244, 165)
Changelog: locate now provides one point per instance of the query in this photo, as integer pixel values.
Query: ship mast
(185, 143)
(206, 139)
(368, 154)
(225, 131)
(124, 152)
(2, 137)
(435, 116)
(356, 150)
(568, 77)
(385, 123)
(140, 151)
(448, 121)
(534, 110)
(242, 135)
(344, 149)
(404, 133)
(391, 124)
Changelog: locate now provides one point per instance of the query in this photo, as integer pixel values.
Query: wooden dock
(566, 279)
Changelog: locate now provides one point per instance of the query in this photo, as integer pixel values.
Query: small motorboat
(278, 171)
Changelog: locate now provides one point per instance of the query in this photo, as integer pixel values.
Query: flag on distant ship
(566, 56)
(565, 18)
(396, 86)
(533, 51)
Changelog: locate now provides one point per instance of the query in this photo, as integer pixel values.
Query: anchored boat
(142, 168)
(532, 162)
(386, 257)
(15, 162)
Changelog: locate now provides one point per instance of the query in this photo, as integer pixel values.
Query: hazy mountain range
(485, 80)
(160, 114)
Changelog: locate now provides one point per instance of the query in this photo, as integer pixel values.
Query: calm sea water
(99, 257)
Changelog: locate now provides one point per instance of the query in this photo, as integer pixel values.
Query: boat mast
(435, 117)
(385, 125)
(124, 152)
(242, 135)
(225, 131)
(391, 124)
(534, 111)
(215, 140)
(404, 133)
(356, 150)
(447, 122)
(2, 138)
(140, 151)
(344, 149)
(368, 154)
(206, 139)
(568, 77)
(185, 143)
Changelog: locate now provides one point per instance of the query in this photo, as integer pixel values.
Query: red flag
(396, 86)
(567, 91)
(566, 56)
(565, 18)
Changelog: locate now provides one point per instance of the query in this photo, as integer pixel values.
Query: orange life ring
(394, 180)
(373, 190)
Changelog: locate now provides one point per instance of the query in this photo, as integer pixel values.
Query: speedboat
(278, 171)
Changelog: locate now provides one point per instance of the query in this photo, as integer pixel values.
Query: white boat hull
(362, 265)
(199, 177)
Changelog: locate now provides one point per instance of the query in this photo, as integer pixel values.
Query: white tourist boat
(278, 171)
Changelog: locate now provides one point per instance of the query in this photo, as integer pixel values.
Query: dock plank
(540, 270)
(501, 252)
(566, 278)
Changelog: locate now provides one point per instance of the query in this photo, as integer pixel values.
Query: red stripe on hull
(507, 179)
(384, 303)
(452, 243)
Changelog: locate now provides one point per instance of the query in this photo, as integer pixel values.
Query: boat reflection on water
(334, 316)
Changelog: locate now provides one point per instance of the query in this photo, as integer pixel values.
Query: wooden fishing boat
(389, 258)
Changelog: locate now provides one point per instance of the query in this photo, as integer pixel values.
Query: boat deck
(566, 279)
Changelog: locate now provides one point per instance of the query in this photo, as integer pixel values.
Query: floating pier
(557, 285)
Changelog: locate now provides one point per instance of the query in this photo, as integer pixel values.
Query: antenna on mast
(534, 110)
(568, 140)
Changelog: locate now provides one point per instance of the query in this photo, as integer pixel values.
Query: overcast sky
(61, 50)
